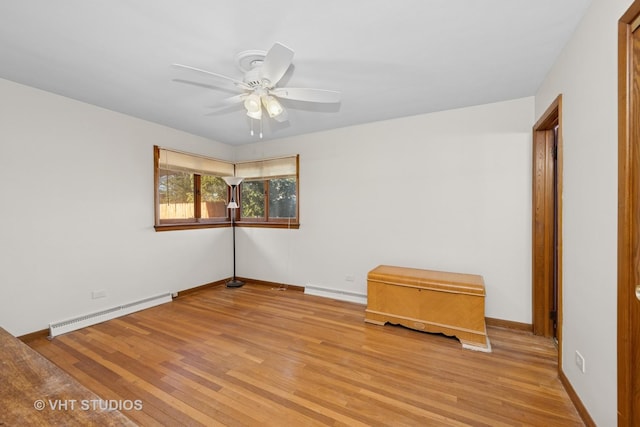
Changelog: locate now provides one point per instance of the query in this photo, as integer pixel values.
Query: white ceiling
(388, 58)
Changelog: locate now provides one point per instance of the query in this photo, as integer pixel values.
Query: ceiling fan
(262, 72)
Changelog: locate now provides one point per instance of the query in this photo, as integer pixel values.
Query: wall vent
(338, 294)
(59, 328)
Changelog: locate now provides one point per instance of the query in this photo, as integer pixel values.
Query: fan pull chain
(260, 129)
(251, 121)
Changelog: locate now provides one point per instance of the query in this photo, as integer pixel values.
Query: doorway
(629, 217)
(547, 225)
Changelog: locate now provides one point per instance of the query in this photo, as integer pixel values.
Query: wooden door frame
(542, 223)
(628, 205)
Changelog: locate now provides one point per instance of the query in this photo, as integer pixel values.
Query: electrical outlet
(350, 278)
(98, 294)
(580, 361)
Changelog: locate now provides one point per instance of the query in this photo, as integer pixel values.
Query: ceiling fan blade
(230, 101)
(206, 86)
(227, 104)
(223, 109)
(220, 76)
(307, 94)
(276, 63)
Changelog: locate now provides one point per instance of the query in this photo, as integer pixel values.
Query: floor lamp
(233, 182)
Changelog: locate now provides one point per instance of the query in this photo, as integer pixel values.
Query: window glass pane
(176, 195)
(213, 197)
(282, 198)
(252, 200)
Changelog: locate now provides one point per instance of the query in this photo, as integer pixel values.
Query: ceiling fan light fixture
(255, 115)
(252, 103)
(272, 106)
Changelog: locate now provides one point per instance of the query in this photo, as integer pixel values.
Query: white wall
(447, 191)
(586, 75)
(76, 183)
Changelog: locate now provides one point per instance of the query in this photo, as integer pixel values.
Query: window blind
(182, 162)
(271, 168)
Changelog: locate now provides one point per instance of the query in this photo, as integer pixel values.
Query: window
(189, 190)
(269, 192)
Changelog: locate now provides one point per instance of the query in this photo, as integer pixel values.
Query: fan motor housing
(252, 78)
(249, 62)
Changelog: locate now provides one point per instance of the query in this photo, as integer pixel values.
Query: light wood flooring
(258, 356)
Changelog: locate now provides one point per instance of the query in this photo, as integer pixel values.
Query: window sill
(258, 224)
(191, 226)
(194, 226)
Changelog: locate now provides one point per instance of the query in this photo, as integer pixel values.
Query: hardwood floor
(259, 356)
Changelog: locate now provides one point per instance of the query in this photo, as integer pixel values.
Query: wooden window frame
(184, 224)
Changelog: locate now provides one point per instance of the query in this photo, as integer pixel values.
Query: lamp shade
(272, 106)
(257, 115)
(253, 106)
(252, 103)
(232, 180)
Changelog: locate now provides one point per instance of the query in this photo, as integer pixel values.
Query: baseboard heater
(80, 322)
(335, 294)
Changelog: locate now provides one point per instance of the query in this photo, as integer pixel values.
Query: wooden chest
(430, 301)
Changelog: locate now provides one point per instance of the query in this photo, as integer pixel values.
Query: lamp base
(234, 283)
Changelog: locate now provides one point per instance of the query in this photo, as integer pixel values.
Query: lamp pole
(233, 182)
